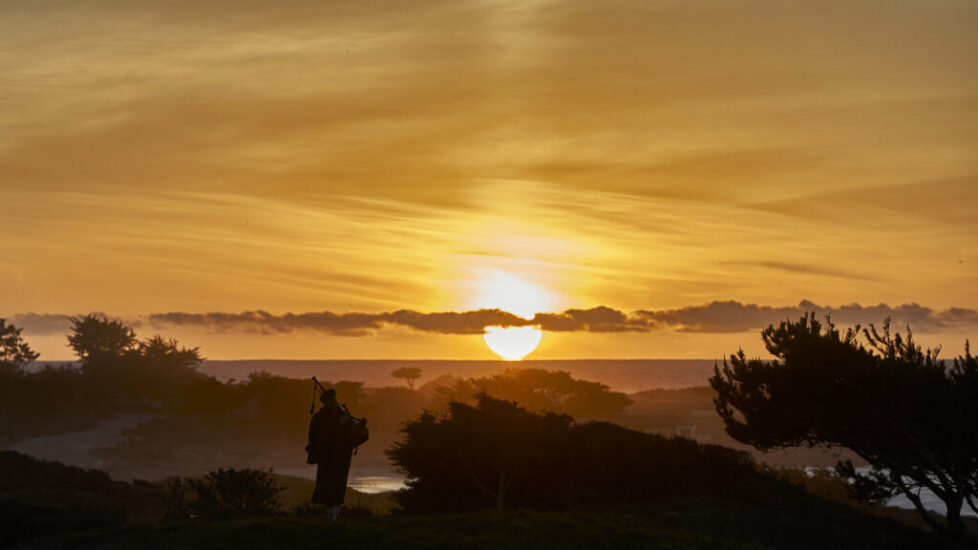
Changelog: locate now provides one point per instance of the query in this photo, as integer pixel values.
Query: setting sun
(513, 343)
(505, 291)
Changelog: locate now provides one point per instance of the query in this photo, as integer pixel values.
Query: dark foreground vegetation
(674, 525)
(48, 505)
(497, 453)
(910, 416)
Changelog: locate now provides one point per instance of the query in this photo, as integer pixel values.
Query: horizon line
(502, 361)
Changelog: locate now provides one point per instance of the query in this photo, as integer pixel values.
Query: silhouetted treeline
(263, 415)
(542, 390)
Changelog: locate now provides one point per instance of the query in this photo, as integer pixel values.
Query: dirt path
(74, 448)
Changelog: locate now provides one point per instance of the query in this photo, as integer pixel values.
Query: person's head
(328, 399)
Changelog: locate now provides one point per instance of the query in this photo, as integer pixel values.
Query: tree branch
(474, 477)
(915, 499)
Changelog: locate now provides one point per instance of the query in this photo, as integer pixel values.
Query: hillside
(672, 524)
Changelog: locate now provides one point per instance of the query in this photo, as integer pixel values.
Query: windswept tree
(94, 337)
(409, 374)
(912, 417)
(14, 351)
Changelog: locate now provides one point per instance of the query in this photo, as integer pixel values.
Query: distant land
(625, 375)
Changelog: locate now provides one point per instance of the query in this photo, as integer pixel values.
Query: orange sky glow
(372, 157)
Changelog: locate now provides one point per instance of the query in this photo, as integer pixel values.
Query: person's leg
(334, 512)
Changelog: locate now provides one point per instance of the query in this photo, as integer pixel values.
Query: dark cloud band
(714, 317)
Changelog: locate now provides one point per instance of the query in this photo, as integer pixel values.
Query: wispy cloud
(308, 155)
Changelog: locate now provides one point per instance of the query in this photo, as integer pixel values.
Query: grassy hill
(48, 505)
(673, 524)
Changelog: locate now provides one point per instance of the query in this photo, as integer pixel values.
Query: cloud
(598, 319)
(662, 143)
(263, 322)
(732, 316)
(41, 323)
(719, 317)
(466, 322)
(807, 269)
(341, 324)
(57, 323)
(716, 317)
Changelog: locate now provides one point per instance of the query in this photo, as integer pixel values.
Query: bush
(231, 493)
(42, 498)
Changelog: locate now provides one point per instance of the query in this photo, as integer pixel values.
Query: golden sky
(310, 156)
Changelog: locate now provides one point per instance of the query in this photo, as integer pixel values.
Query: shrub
(232, 493)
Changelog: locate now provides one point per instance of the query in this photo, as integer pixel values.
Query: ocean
(629, 376)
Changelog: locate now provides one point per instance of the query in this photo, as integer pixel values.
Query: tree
(94, 337)
(906, 413)
(408, 373)
(161, 369)
(166, 351)
(163, 359)
(14, 352)
(486, 447)
(499, 454)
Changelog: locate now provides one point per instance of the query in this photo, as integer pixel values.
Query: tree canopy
(96, 337)
(500, 454)
(410, 374)
(912, 417)
(14, 351)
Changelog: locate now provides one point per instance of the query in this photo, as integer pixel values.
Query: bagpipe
(354, 429)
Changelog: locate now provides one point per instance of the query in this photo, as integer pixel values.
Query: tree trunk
(501, 492)
(954, 522)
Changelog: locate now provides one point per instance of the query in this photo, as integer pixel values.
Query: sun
(513, 343)
(505, 291)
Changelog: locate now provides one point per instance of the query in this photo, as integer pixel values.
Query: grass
(672, 524)
(471, 531)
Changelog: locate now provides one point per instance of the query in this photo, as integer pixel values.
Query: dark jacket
(329, 449)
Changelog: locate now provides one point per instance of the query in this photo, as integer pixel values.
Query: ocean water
(628, 376)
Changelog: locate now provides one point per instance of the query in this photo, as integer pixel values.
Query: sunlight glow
(505, 291)
(513, 343)
(502, 290)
